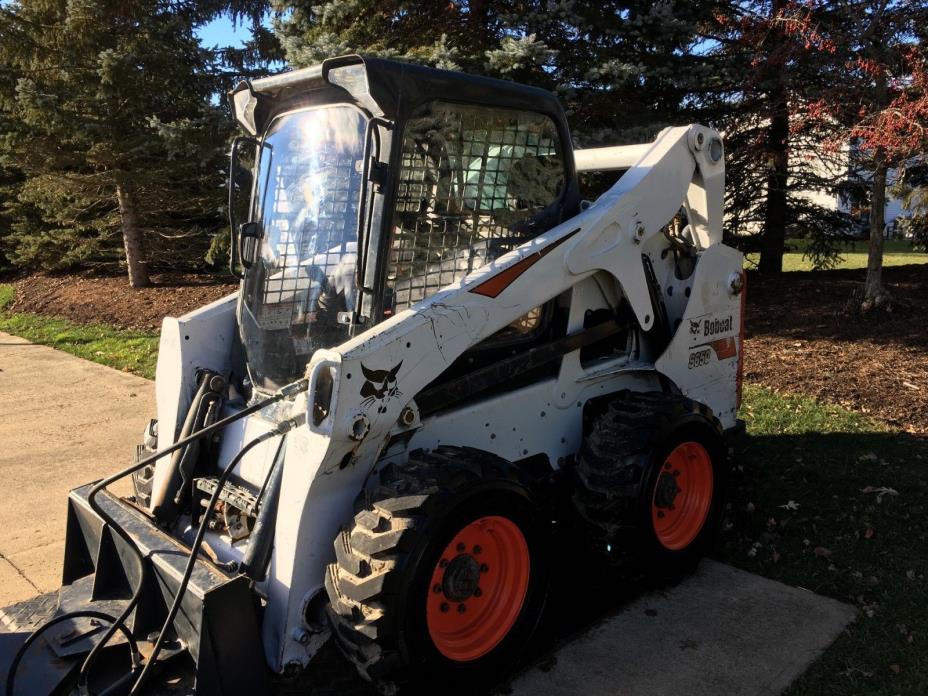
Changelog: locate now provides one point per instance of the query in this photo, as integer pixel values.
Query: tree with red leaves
(881, 103)
(772, 53)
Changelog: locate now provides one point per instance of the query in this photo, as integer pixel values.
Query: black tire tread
(614, 458)
(389, 521)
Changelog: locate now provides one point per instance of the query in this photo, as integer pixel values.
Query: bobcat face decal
(380, 386)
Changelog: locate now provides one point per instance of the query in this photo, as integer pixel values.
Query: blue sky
(221, 32)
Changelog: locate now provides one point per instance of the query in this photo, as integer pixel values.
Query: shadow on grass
(843, 515)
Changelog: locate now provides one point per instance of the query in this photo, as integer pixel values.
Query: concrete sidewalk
(720, 632)
(64, 421)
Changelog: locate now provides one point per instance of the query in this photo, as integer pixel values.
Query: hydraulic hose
(119, 623)
(134, 654)
(283, 393)
(281, 428)
(258, 554)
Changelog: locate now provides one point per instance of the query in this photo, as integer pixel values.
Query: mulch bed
(85, 298)
(800, 337)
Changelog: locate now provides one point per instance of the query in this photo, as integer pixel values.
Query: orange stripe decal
(492, 287)
(725, 348)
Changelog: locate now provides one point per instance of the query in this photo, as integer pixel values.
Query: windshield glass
(299, 292)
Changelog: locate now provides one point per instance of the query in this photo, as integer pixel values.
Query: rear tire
(650, 482)
(443, 574)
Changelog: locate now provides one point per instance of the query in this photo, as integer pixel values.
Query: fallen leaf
(868, 534)
(821, 552)
(880, 491)
(791, 505)
(896, 668)
(868, 457)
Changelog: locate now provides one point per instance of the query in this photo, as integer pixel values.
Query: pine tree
(773, 59)
(623, 69)
(113, 126)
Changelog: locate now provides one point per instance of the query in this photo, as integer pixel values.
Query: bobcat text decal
(711, 327)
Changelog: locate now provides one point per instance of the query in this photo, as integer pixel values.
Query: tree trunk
(773, 236)
(132, 238)
(875, 294)
(773, 240)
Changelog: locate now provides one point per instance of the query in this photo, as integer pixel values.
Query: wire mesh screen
(475, 182)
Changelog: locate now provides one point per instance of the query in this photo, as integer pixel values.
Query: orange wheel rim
(477, 588)
(682, 496)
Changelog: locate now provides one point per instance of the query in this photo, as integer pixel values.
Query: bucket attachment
(217, 623)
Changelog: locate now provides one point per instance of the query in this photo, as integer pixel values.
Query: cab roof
(389, 89)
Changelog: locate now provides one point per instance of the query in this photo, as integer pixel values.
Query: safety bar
(605, 159)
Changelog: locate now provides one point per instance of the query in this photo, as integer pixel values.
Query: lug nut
(461, 547)
(660, 514)
(461, 608)
(484, 567)
(478, 592)
(436, 589)
(676, 472)
(443, 563)
(477, 550)
(444, 607)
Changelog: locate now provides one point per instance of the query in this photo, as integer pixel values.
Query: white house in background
(837, 166)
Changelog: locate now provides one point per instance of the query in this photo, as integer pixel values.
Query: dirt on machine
(438, 355)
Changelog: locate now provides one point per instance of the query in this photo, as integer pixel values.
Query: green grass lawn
(827, 500)
(897, 252)
(130, 351)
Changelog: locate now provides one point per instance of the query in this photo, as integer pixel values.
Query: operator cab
(366, 185)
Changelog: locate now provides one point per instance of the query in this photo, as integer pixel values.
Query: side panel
(529, 421)
(201, 339)
(702, 358)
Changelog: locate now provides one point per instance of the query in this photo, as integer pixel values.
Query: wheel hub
(477, 588)
(667, 490)
(461, 578)
(682, 496)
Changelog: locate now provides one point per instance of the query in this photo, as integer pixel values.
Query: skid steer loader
(437, 353)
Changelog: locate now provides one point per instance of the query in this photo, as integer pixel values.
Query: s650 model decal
(699, 358)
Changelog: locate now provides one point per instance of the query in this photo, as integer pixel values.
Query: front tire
(443, 574)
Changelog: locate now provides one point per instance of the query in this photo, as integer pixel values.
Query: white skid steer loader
(432, 333)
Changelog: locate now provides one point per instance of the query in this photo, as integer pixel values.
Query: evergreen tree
(624, 70)
(114, 128)
(774, 59)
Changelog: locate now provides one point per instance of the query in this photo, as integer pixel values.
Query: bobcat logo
(694, 327)
(380, 386)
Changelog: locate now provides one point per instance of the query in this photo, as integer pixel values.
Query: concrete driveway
(63, 422)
